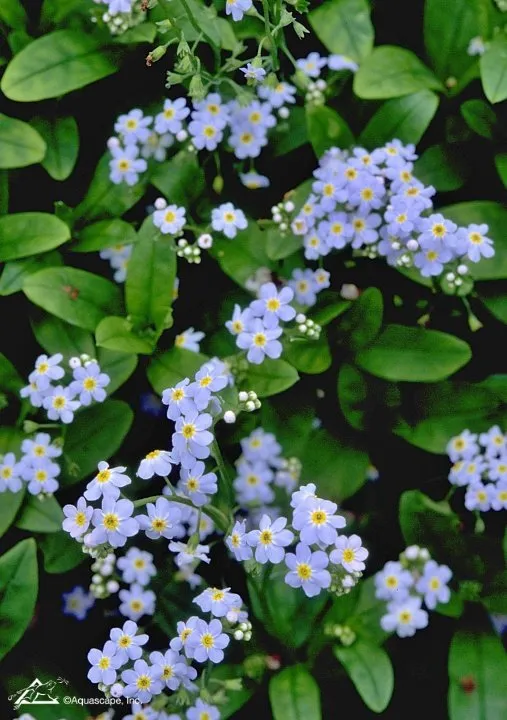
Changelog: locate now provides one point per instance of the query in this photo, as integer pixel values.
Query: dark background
(56, 641)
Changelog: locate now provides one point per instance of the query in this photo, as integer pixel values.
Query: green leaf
(270, 377)
(449, 25)
(40, 515)
(54, 65)
(145, 32)
(495, 216)
(280, 246)
(105, 199)
(352, 395)
(501, 167)
(237, 698)
(55, 336)
(326, 129)
(309, 356)
(494, 296)
(20, 144)
(365, 617)
(406, 118)
(96, 434)
(294, 695)
(413, 355)
(363, 322)
(330, 305)
(480, 117)
(14, 272)
(180, 179)
(391, 72)
(291, 133)
(10, 441)
(477, 671)
(104, 234)
(24, 234)
(76, 296)
(344, 27)
(172, 366)
(371, 671)
(433, 414)
(338, 465)
(115, 333)
(149, 289)
(118, 365)
(18, 592)
(10, 380)
(54, 11)
(242, 257)
(12, 13)
(442, 166)
(493, 66)
(62, 140)
(61, 553)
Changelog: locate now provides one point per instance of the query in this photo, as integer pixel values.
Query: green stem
(201, 31)
(269, 34)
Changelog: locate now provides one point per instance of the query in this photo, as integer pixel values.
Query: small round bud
(181, 136)
(257, 404)
(252, 395)
(205, 241)
(302, 328)
(229, 417)
(96, 579)
(450, 277)
(321, 84)
(284, 113)
(250, 406)
(277, 218)
(243, 396)
(283, 226)
(84, 357)
(412, 552)
(462, 269)
(458, 282)
(424, 554)
(300, 318)
(112, 586)
(74, 362)
(395, 245)
(412, 245)
(106, 570)
(238, 635)
(289, 206)
(116, 690)
(113, 142)
(349, 291)
(160, 203)
(274, 209)
(248, 636)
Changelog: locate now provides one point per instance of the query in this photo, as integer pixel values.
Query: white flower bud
(229, 417)
(450, 277)
(181, 136)
(274, 209)
(116, 690)
(462, 269)
(349, 291)
(283, 226)
(74, 362)
(424, 554)
(412, 245)
(412, 552)
(300, 318)
(160, 203)
(289, 206)
(250, 406)
(113, 142)
(252, 395)
(248, 636)
(84, 357)
(106, 570)
(284, 113)
(243, 396)
(302, 328)
(205, 241)
(97, 579)
(112, 586)
(321, 84)
(458, 282)
(277, 218)
(238, 635)
(257, 404)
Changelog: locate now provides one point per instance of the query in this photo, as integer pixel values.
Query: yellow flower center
(266, 537)
(391, 581)
(438, 230)
(302, 286)
(125, 641)
(246, 138)
(192, 484)
(252, 479)
(237, 326)
(359, 224)
(213, 109)
(89, 383)
(80, 519)
(43, 368)
(143, 682)
(179, 393)
(337, 228)
(104, 663)
(139, 564)
(111, 521)
(217, 595)
(169, 113)
(59, 402)
(229, 217)
(318, 517)
(348, 555)
(401, 218)
(207, 640)
(167, 672)
(205, 381)
(41, 476)
(405, 617)
(304, 571)
(260, 339)
(39, 450)
(235, 540)
(136, 605)
(6, 472)
(351, 173)
(367, 194)
(185, 634)
(273, 304)
(131, 124)
(158, 524)
(170, 216)
(434, 583)
(209, 131)
(482, 496)
(188, 431)
(255, 117)
(103, 476)
(475, 238)
(431, 255)
(328, 190)
(124, 165)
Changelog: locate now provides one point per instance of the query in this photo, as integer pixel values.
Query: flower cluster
(322, 559)
(118, 256)
(480, 465)
(257, 328)
(36, 470)
(405, 585)
(120, 15)
(372, 202)
(59, 401)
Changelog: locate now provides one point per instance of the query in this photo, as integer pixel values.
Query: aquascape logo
(37, 693)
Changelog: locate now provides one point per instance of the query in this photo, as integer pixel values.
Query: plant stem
(269, 34)
(201, 31)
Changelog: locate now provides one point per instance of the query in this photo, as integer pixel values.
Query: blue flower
(156, 462)
(273, 305)
(341, 62)
(205, 134)
(436, 229)
(433, 584)
(479, 496)
(104, 664)
(10, 473)
(218, 601)
(307, 570)
(251, 72)
(143, 682)
(253, 181)
(189, 339)
(107, 482)
(60, 405)
(260, 342)
(464, 446)
(228, 219)
(240, 320)
(336, 230)
(212, 109)
(278, 96)
(192, 437)
(349, 553)
(185, 631)
(474, 243)
(77, 518)
(317, 521)
(170, 220)
(113, 523)
(46, 370)
(364, 229)
(163, 520)
(247, 142)
(270, 540)
(404, 617)
(303, 284)
(40, 447)
(393, 582)
(133, 127)
(174, 669)
(171, 117)
(187, 554)
(494, 441)
(253, 484)
(237, 8)
(137, 566)
(178, 400)
(208, 379)
(312, 65)
(431, 260)
(89, 383)
(237, 543)
(126, 165)
(40, 476)
(77, 602)
(207, 642)
(198, 485)
(128, 643)
(156, 146)
(261, 445)
(201, 710)
(136, 602)
(498, 495)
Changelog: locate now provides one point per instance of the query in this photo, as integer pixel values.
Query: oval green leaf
(344, 27)
(42, 516)
(269, 378)
(24, 234)
(62, 140)
(392, 72)
(371, 671)
(493, 66)
(294, 695)
(76, 296)
(54, 65)
(172, 366)
(20, 144)
(104, 234)
(406, 119)
(18, 592)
